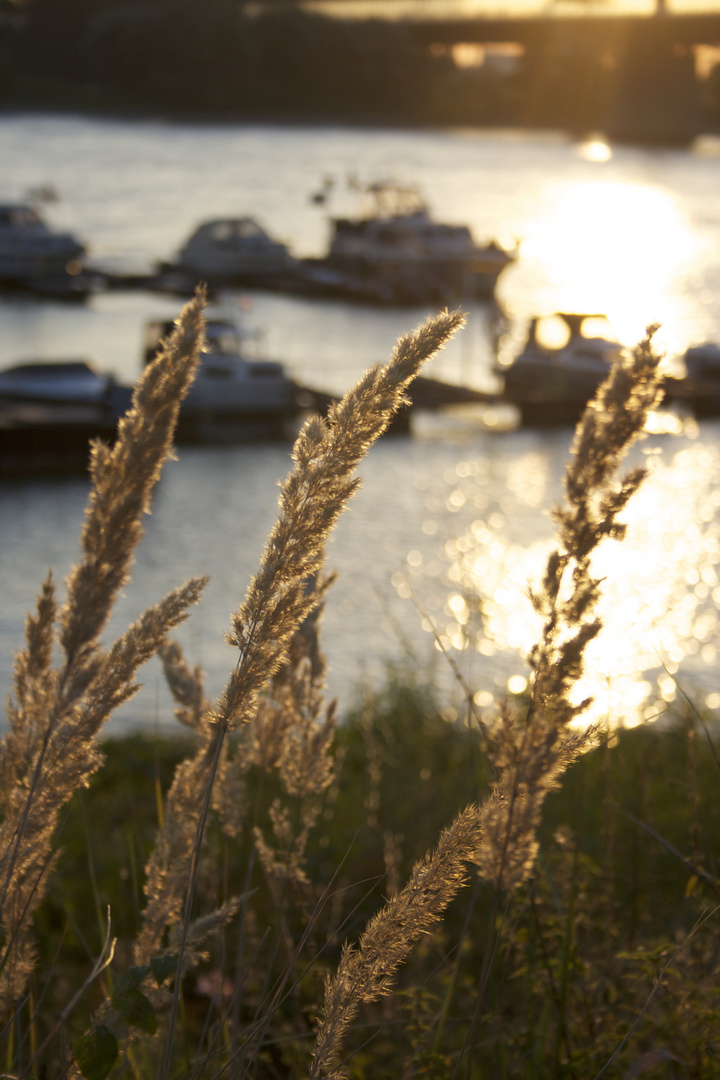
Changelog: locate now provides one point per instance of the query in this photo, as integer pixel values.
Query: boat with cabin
(394, 251)
(36, 258)
(565, 358)
(50, 411)
(55, 381)
(702, 362)
(233, 251)
(697, 389)
(236, 394)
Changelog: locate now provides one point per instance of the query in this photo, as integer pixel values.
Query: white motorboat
(55, 381)
(232, 387)
(564, 360)
(404, 254)
(702, 362)
(34, 256)
(698, 389)
(233, 250)
(51, 410)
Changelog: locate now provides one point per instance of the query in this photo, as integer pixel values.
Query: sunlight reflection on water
(460, 509)
(660, 593)
(624, 244)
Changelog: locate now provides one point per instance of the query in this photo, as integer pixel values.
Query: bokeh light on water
(620, 246)
(660, 595)
(631, 232)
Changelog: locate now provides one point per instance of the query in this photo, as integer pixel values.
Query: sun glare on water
(596, 150)
(612, 247)
(660, 592)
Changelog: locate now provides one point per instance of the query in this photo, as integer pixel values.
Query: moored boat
(702, 362)
(51, 410)
(233, 251)
(36, 258)
(698, 389)
(235, 395)
(394, 251)
(565, 358)
(55, 381)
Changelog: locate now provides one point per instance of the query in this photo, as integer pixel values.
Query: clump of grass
(236, 869)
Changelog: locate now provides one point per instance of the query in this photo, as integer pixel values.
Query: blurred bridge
(630, 76)
(695, 28)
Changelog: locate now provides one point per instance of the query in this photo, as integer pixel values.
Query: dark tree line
(228, 58)
(219, 57)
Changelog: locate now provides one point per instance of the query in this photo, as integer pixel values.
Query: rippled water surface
(460, 509)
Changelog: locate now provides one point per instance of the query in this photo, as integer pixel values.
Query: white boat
(55, 381)
(231, 388)
(233, 249)
(564, 360)
(34, 256)
(702, 362)
(403, 254)
(51, 410)
(698, 389)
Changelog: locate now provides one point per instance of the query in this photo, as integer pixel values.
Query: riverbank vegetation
(274, 895)
(626, 870)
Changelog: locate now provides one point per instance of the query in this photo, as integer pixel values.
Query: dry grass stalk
(532, 753)
(529, 754)
(294, 733)
(57, 712)
(366, 971)
(325, 456)
(166, 872)
(167, 868)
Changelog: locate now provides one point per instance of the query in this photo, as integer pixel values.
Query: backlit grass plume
(312, 498)
(531, 752)
(279, 599)
(50, 749)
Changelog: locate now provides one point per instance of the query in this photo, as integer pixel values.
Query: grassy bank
(576, 953)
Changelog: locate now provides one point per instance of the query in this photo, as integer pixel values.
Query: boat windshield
(224, 232)
(384, 200)
(18, 215)
(223, 339)
(556, 331)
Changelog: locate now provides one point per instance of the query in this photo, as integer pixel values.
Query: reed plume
(529, 753)
(366, 971)
(279, 600)
(312, 498)
(50, 749)
(294, 733)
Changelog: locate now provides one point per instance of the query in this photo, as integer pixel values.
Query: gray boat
(36, 258)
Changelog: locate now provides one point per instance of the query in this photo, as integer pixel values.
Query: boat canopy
(18, 214)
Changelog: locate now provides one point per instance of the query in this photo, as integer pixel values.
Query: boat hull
(51, 438)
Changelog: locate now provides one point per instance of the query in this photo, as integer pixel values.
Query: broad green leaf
(96, 1053)
(136, 1009)
(162, 967)
(131, 979)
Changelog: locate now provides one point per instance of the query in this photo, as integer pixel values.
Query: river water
(458, 510)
